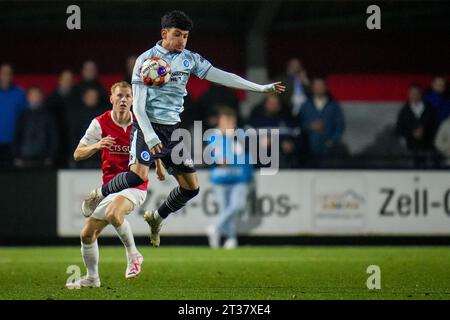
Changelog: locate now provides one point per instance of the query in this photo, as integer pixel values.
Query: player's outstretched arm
(139, 97)
(234, 81)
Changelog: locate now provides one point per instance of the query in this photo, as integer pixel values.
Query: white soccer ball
(155, 72)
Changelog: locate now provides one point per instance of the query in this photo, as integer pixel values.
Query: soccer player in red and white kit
(110, 134)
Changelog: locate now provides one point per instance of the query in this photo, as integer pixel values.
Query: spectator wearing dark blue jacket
(438, 98)
(321, 120)
(272, 115)
(36, 137)
(58, 104)
(12, 102)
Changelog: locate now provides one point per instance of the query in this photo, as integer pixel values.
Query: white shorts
(136, 196)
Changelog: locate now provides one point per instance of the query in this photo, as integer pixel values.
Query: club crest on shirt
(145, 155)
(186, 63)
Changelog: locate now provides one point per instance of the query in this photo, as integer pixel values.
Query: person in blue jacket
(12, 103)
(231, 176)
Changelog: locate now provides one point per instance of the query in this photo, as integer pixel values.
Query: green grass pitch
(246, 273)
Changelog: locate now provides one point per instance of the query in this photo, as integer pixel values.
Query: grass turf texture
(246, 273)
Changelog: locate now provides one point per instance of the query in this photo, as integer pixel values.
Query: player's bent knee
(190, 193)
(87, 237)
(140, 171)
(115, 215)
(143, 175)
(114, 219)
(197, 191)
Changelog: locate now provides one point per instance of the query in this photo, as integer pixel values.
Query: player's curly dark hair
(177, 19)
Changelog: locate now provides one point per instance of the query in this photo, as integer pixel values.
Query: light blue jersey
(163, 105)
(229, 151)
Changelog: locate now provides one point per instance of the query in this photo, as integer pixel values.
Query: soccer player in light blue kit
(157, 115)
(231, 176)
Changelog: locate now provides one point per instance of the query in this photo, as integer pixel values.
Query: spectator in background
(89, 79)
(442, 141)
(270, 115)
(129, 66)
(297, 86)
(12, 102)
(321, 121)
(36, 135)
(231, 177)
(438, 97)
(58, 103)
(209, 103)
(79, 118)
(416, 124)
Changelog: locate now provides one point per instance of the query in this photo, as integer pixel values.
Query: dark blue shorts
(139, 151)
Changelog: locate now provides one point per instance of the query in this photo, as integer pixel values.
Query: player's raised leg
(124, 180)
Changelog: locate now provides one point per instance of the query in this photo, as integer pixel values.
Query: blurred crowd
(42, 131)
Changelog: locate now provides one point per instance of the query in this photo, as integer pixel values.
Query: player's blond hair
(120, 84)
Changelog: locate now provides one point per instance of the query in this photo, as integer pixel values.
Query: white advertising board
(291, 203)
(273, 207)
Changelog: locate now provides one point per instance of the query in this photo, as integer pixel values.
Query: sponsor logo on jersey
(119, 149)
(179, 76)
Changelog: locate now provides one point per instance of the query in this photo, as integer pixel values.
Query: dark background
(330, 36)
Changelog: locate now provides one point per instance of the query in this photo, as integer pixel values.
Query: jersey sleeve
(201, 65)
(139, 101)
(93, 133)
(136, 77)
(234, 81)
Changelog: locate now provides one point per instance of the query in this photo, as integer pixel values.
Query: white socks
(90, 258)
(126, 236)
(90, 251)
